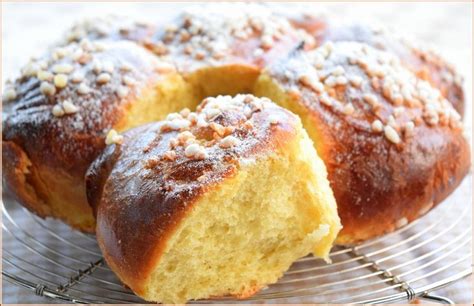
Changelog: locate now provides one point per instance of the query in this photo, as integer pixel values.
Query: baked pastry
(393, 145)
(223, 50)
(59, 112)
(211, 203)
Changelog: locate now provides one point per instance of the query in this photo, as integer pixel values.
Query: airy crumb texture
(242, 237)
(226, 198)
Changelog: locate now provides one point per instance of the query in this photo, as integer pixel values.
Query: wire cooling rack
(54, 261)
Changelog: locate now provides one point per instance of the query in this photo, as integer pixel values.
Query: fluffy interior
(228, 80)
(244, 234)
(176, 92)
(170, 95)
(267, 87)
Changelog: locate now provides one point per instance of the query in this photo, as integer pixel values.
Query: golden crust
(217, 35)
(164, 190)
(387, 174)
(44, 190)
(72, 141)
(16, 172)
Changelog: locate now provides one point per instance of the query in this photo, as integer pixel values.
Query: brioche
(361, 120)
(220, 204)
(393, 145)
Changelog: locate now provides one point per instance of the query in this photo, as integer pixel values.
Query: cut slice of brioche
(220, 207)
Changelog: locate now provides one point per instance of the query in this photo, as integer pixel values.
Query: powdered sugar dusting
(77, 92)
(220, 124)
(110, 27)
(366, 85)
(208, 34)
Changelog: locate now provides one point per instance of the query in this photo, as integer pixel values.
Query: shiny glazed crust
(393, 146)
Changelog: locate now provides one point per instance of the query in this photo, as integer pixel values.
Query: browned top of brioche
(64, 103)
(390, 141)
(232, 33)
(161, 169)
(110, 27)
(252, 34)
(364, 85)
(425, 62)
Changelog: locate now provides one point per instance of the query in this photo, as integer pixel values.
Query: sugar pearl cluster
(188, 127)
(109, 26)
(392, 94)
(79, 70)
(9, 93)
(207, 33)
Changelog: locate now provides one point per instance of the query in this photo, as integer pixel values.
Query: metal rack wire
(51, 260)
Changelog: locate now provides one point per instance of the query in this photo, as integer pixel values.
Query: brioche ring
(223, 50)
(238, 182)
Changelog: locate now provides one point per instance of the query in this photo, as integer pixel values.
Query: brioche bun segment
(393, 146)
(259, 202)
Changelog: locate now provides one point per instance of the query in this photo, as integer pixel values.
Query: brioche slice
(214, 203)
